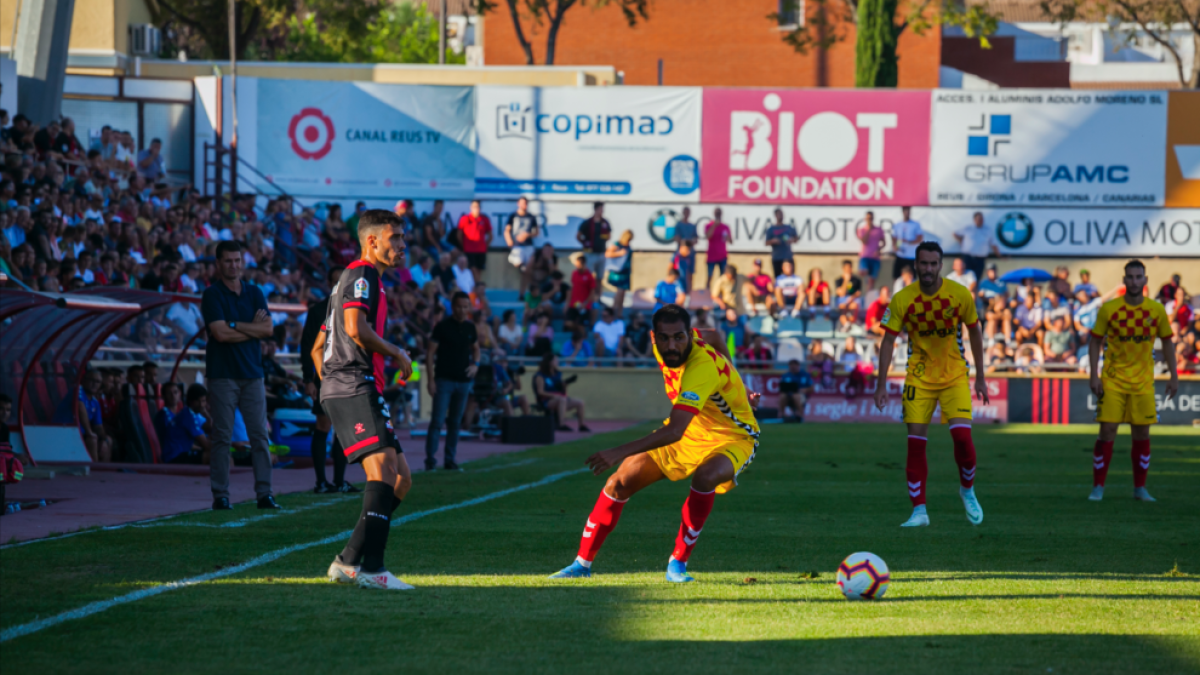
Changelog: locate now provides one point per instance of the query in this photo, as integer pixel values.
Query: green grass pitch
(1049, 583)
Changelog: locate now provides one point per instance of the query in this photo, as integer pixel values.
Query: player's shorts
(363, 424)
(317, 408)
(1117, 407)
(919, 403)
(680, 460)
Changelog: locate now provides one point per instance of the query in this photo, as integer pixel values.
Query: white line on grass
(505, 466)
(102, 605)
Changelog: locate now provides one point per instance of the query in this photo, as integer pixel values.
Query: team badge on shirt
(361, 289)
(887, 314)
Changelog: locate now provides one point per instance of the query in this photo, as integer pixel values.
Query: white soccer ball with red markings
(863, 576)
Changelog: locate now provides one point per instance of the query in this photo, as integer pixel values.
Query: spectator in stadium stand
(150, 162)
(789, 289)
(817, 292)
(1060, 285)
(1058, 343)
(962, 275)
(998, 320)
(780, 236)
(443, 275)
(703, 320)
(539, 341)
(519, 233)
(584, 294)
(188, 439)
(476, 229)
(551, 392)
(1085, 284)
(593, 236)
(91, 421)
(719, 238)
(990, 285)
(464, 276)
(669, 291)
(510, 332)
(686, 237)
(1053, 308)
(875, 310)
(1180, 312)
(795, 386)
(609, 331)
(906, 235)
(408, 216)
(872, 238)
(757, 354)
(578, 352)
(733, 327)
(618, 268)
(820, 364)
(479, 300)
(166, 414)
(724, 289)
(1167, 292)
(421, 272)
(237, 318)
(847, 292)
(1028, 319)
(450, 366)
(433, 230)
(352, 221)
(904, 280)
(5, 412)
(636, 343)
(758, 289)
(975, 243)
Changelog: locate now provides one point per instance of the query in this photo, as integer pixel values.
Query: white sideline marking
(159, 522)
(506, 466)
(102, 605)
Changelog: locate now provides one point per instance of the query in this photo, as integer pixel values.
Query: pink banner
(815, 146)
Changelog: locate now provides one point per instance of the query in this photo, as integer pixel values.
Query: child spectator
(669, 291)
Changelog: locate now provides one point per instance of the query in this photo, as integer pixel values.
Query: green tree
(401, 33)
(823, 23)
(552, 12)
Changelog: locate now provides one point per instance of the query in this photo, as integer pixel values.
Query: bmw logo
(662, 226)
(1015, 230)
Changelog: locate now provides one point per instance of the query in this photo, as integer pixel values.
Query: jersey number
(910, 392)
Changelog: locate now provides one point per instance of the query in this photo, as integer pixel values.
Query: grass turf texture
(1049, 583)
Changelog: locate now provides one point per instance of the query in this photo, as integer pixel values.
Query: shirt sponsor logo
(361, 289)
(690, 396)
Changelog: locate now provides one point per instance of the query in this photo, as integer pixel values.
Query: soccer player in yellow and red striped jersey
(933, 312)
(710, 436)
(1125, 389)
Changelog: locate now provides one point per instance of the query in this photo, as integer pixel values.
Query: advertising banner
(1183, 149)
(1040, 147)
(1047, 400)
(815, 146)
(831, 402)
(362, 139)
(589, 143)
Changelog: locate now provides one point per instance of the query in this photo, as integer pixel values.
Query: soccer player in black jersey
(349, 356)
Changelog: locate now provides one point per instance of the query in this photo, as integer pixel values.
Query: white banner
(1048, 148)
(589, 143)
(362, 139)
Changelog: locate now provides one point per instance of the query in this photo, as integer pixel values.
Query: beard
(674, 359)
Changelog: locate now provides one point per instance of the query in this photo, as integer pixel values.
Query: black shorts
(317, 408)
(363, 424)
(577, 314)
(477, 260)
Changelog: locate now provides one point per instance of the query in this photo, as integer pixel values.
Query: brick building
(701, 43)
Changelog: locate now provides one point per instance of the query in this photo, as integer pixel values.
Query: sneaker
(452, 466)
(575, 570)
(346, 487)
(1097, 493)
(268, 502)
(583, 429)
(1141, 495)
(430, 464)
(382, 580)
(919, 518)
(341, 573)
(677, 572)
(222, 504)
(971, 504)
(323, 489)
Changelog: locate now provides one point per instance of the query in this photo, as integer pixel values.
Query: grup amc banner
(361, 139)
(815, 146)
(1050, 148)
(589, 143)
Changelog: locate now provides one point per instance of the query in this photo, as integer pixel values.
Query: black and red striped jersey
(349, 370)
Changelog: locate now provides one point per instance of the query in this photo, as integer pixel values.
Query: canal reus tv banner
(589, 143)
(1040, 147)
(815, 146)
(362, 139)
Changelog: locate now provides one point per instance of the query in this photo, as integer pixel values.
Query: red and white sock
(964, 453)
(695, 511)
(917, 469)
(1141, 462)
(605, 515)
(1101, 458)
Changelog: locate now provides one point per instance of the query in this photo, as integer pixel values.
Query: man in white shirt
(610, 331)
(975, 242)
(906, 234)
(789, 289)
(463, 277)
(963, 275)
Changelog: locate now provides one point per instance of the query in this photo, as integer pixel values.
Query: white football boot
(1097, 493)
(342, 574)
(971, 504)
(384, 581)
(919, 518)
(1142, 495)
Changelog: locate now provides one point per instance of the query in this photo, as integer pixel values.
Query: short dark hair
(459, 295)
(130, 369)
(195, 393)
(374, 220)
(1135, 263)
(149, 364)
(670, 314)
(5, 398)
(929, 246)
(597, 205)
(155, 140)
(228, 247)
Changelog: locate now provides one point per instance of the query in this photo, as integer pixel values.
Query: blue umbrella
(1018, 276)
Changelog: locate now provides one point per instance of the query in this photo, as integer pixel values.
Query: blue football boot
(575, 570)
(677, 572)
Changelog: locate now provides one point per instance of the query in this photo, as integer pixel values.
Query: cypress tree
(875, 52)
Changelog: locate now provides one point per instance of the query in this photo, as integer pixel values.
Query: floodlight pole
(233, 143)
(442, 33)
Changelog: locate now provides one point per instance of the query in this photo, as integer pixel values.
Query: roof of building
(1030, 11)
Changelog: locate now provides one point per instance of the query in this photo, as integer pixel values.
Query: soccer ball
(863, 576)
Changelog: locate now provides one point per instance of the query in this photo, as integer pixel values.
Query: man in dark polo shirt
(237, 319)
(450, 369)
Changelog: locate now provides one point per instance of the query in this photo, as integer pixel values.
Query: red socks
(1101, 457)
(1141, 461)
(917, 469)
(695, 511)
(964, 454)
(604, 518)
